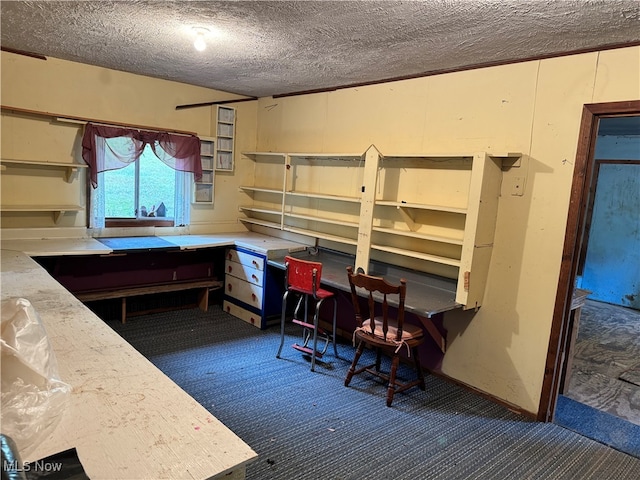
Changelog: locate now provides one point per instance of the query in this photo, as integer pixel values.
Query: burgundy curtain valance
(179, 152)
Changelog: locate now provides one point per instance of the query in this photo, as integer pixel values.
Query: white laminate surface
(56, 246)
(126, 419)
(264, 244)
(256, 242)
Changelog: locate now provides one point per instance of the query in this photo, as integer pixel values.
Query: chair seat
(320, 292)
(409, 331)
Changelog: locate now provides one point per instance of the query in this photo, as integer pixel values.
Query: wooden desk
(427, 295)
(126, 419)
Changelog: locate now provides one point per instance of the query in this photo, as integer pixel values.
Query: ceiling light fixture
(199, 43)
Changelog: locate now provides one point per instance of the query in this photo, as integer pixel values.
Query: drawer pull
(229, 287)
(228, 309)
(255, 263)
(230, 256)
(253, 297)
(255, 277)
(230, 268)
(253, 320)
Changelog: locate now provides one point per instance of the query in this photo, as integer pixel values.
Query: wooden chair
(383, 333)
(302, 277)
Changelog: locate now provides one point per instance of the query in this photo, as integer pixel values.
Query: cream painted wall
(75, 89)
(532, 107)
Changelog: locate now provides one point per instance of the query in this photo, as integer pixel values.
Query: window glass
(120, 192)
(157, 186)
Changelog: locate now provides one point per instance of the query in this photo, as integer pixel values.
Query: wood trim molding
(83, 120)
(496, 63)
(573, 243)
(125, 222)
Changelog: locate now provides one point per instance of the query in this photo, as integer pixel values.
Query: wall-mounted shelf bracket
(406, 216)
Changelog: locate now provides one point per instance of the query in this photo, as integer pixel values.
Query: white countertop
(56, 246)
(253, 241)
(270, 246)
(126, 419)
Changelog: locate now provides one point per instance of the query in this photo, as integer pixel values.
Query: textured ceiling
(263, 48)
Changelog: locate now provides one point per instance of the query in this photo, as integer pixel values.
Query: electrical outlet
(517, 186)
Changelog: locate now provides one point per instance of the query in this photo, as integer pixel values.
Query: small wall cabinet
(251, 291)
(203, 188)
(225, 133)
(431, 213)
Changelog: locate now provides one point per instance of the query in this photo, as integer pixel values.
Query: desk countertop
(126, 418)
(427, 295)
(270, 246)
(57, 246)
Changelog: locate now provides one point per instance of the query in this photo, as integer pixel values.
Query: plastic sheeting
(33, 396)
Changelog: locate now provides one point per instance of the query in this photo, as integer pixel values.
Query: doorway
(603, 363)
(584, 247)
(575, 249)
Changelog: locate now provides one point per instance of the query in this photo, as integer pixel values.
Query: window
(143, 191)
(140, 178)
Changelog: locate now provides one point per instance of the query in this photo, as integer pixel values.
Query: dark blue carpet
(600, 426)
(309, 426)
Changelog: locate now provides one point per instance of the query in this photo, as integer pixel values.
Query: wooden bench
(204, 287)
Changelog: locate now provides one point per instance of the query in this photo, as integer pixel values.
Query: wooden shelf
(71, 169)
(254, 155)
(419, 255)
(338, 198)
(315, 218)
(261, 190)
(420, 206)
(262, 223)
(428, 156)
(328, 156)
(422, 236)
(57, 210)
(321, 235)
(260, 210)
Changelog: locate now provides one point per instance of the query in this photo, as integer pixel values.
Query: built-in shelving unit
(225, 133)
(203, 188)
(266, 196)
(321, 208)
(432, 213)
(287, 198)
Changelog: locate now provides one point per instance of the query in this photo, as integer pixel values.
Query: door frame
(581, 187)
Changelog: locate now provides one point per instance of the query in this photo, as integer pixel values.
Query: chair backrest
(377, 284)
(302, 275)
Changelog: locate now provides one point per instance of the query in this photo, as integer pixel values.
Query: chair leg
(378, 358)
(315, 334)
(416, 360)
(392, 379)
(352, 368)
(284, 308)
(333, 333)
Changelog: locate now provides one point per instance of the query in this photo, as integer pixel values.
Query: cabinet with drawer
(252, 292)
